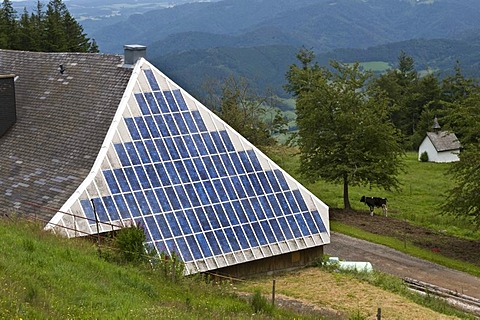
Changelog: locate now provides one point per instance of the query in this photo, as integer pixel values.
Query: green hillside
(46, 277)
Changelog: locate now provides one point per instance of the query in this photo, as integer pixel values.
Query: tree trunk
(346, 201)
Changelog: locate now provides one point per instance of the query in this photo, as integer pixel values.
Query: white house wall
(434, 156)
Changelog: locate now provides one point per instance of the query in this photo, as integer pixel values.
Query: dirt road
(397, 263)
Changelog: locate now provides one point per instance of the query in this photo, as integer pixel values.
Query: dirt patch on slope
(448, 246)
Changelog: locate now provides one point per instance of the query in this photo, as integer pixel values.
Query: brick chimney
(133, 52)
(8, 109)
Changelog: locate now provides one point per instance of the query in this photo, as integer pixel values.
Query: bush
(130, 244)
(260, 304)
(424, 156)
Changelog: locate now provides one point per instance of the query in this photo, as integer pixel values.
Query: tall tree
(242, 109)
(8, 25)
(345, 135)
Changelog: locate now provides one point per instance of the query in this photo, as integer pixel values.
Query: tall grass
(423, 189)
(46, 277)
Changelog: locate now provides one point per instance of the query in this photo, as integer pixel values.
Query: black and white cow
(375, 202)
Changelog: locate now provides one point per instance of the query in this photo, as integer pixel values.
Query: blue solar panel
(247, 185)
(151, 79)
(182, 196)
(170, 123)
(257, 187)
(203, 244)
(257, 208)
(227, 162)
(273, 181)
(152, 227)
(162, 224)
(272, 199)
(210, 191)
(257, 229)
(161, 101)
(190, 190)
(202, 194)
(190, 122)
(285, 228)
(132, 178)
(162, 174)
(219, 165)
(222, 217)
(152, 126)
(172, 222)
(223, 241)
(171, 148)
(229, 211)
(200, 168)
(88, 210)
(192, 243)
(300, 200)
(122, 154)
(132, 128)
(310, 222)
(171, 101)
(182, 148)
(122, 206)
(190, 168)
(152, 200)
(122, 180)
(281, 179)
(242, 240)
(294, 226)
(283, 203)
(182, 220)
(291, 201)
(152, 176)
(151, 103)
(248, 210)
(172, 247)
(142, 103)
(152, 150)
(182, 173)
(210, 167)
(162, 149)
(182, 126)
(209, 143)
(237, 184)
(144, 133)
(229, 188)
(199, 121)
(250, 235)
(276, 229)
(264, 182)
(240, 212)
(132, 153)
(202, 149)
(190, 146)
(227, 141)
(180, 101)
(318, 220)
(268, 232)
(112, 184)
(237, 163)
(217, 140)
(162, 126)
(163, 200)
(220, 190)
(212, 241)
(142, 152)
(172, 197)
(142, 177)
(142, 201)
(266, 207)
(99, 209)
(246, 161)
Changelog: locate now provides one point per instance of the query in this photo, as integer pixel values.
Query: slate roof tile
(62, 120)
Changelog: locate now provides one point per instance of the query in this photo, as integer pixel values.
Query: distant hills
(258, 39)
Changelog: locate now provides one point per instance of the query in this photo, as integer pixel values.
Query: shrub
(130, 244)
(260, 304)
(424, 156)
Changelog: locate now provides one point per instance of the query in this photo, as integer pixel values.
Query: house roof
(99, 147)
(444, 140)
(61, 123)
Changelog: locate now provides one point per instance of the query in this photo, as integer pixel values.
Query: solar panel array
(197, 187)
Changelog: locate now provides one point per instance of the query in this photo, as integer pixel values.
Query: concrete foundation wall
(273, 264)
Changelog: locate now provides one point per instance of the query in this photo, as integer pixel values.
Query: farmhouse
(440, 146)
(91, 143)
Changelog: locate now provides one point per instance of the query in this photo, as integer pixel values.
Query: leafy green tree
(345, 135)
(242, 109)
